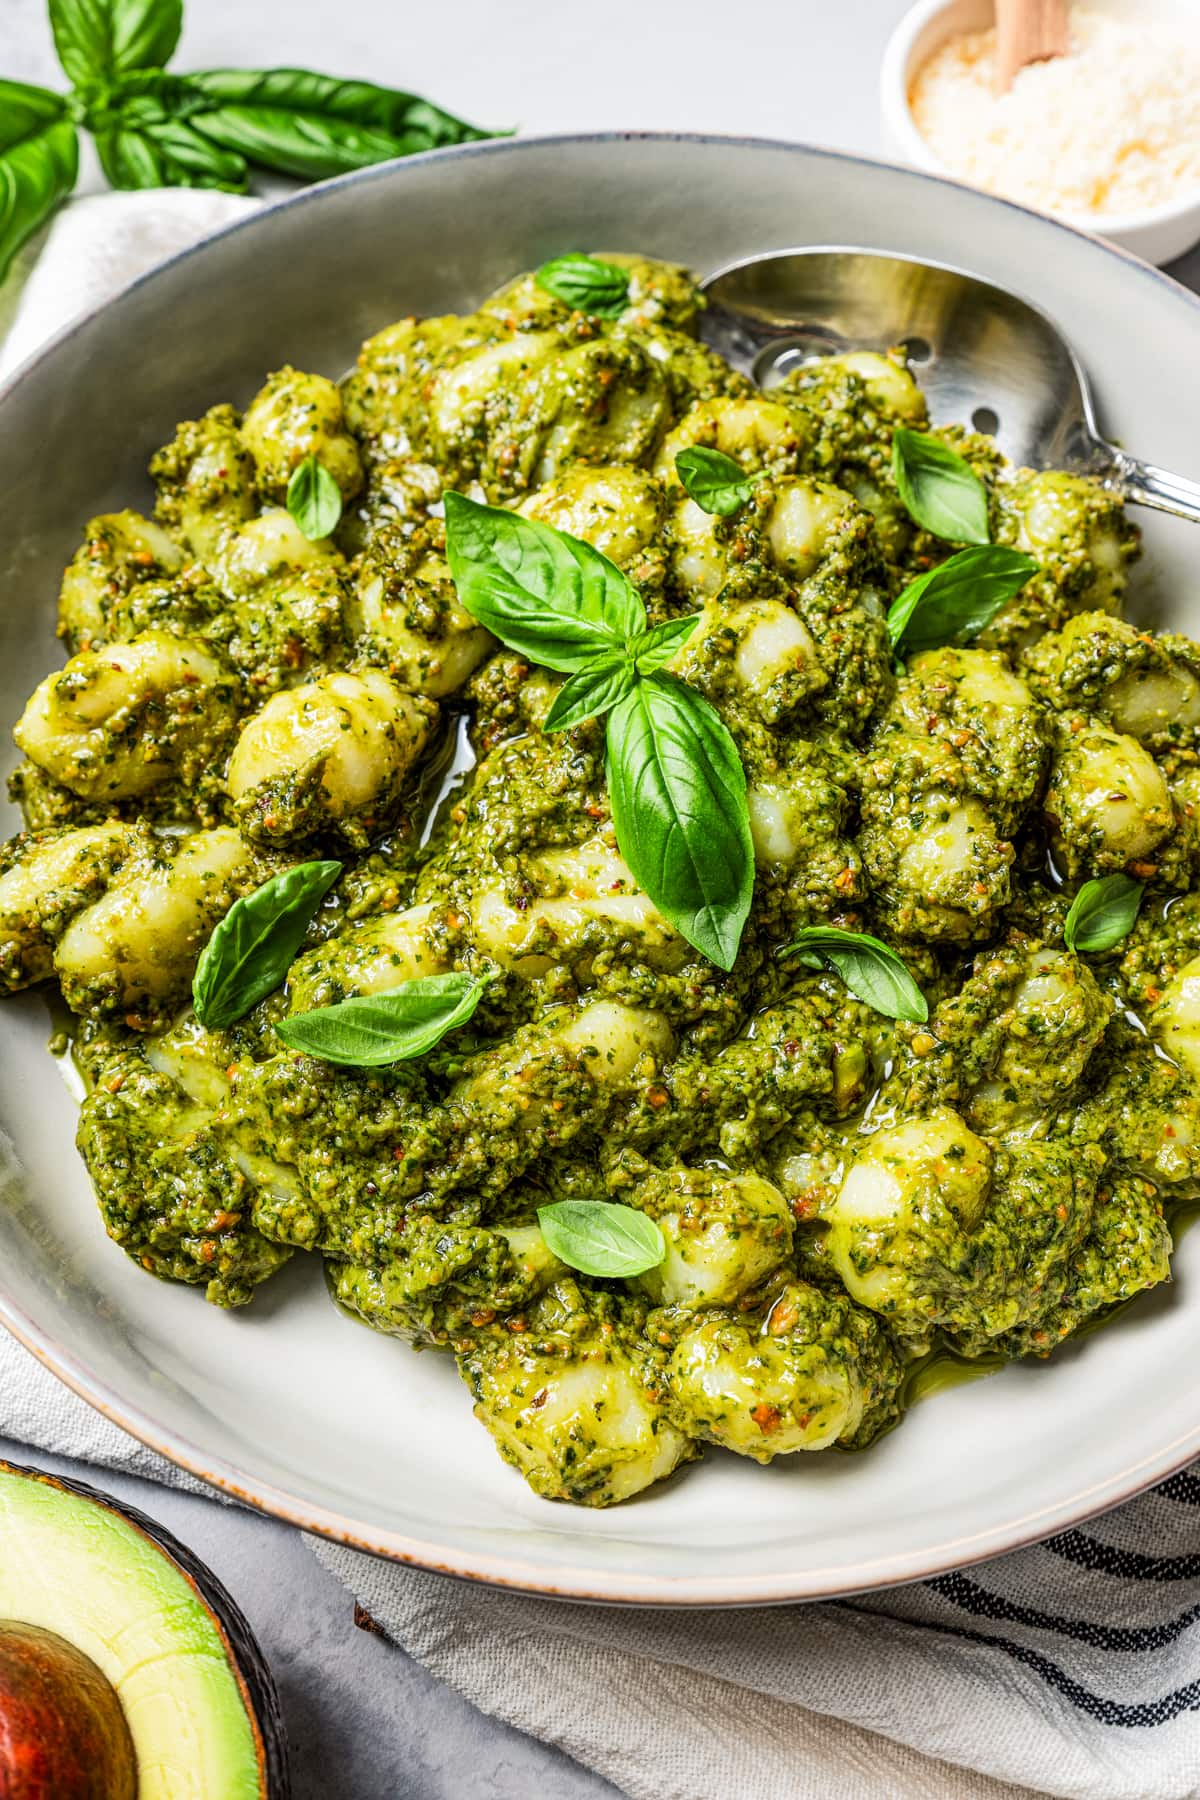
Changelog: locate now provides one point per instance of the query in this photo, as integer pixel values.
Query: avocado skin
(64, 1729)
(249, 1665)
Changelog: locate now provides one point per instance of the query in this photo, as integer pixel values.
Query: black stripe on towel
(1129, 1565)
(1183, 1487)
(1096, 1706)
(971, 1598)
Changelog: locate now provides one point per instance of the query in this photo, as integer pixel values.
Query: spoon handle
(1150, 486)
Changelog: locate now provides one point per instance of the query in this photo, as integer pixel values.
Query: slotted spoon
(983, 356)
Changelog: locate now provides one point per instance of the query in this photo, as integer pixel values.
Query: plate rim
(582, 1583)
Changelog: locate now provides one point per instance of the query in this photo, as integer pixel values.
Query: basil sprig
(39, 162)
(959, 597)
(586, 284)
(600, 1237)
(713, 480)
(314, 499)
(253, 946)
(153, 128)
(873, 973)
(376, 1029)
(676, 782)
(1102, 913)
(940, 490)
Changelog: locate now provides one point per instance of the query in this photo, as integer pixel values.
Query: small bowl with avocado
(126, 1670)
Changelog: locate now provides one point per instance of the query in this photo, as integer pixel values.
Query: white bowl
(1157, 233)
(287, 1404)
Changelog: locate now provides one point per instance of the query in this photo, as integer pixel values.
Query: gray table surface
(366, 1722)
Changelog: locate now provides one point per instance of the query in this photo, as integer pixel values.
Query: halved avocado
(177, 1654)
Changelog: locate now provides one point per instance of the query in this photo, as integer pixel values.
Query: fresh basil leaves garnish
(548, 596)
(96, 42)
(713, 480)
(678, 795)
(959, 597)
(39, 161)
(1103, 912)
(873, 973)
(154, 128)
(376, 1029)
(592, 691)
(314, 499)
(662, 642)
(252, 947)
(677, 785)
(586, 284)
(940, 490)
(600, 1237)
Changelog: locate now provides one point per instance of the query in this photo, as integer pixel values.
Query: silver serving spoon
(982, 355)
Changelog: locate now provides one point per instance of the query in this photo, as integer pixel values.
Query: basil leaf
(376, 1029)
(314, 499)
(600, 1237)
(592, 691)
(252, 948)
(873, 973)
(545, 594)
(143, 143)
(300, 123)
(39, 162)
(586, 284)
(656, 647)
(1103, 912)
(714, 481)
(940, 490)
(959, 597)
(678, 794)
(99, 39)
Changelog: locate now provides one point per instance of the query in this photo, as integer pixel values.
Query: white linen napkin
(1072, 1668)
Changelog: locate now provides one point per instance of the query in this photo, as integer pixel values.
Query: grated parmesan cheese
(1111, 128)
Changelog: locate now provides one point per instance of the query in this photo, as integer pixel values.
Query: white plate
(289, 1405)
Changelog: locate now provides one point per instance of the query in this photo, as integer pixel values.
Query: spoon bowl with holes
(979, 352)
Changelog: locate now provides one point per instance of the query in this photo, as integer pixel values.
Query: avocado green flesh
(84, 1572)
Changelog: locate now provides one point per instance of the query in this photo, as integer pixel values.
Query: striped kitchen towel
(1072, 1668)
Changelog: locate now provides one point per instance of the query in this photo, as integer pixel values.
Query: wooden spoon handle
(1027, 31)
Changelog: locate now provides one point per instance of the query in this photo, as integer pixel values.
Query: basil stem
(873, 973)
(940, 490)
(314, 499)
(585, 284)
(1102, 913)
(252, 948)
(713, 480)
(376, 1029)
(602, 1238)
(959, 597)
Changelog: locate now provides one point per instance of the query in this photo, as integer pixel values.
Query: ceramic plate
(287, 1404)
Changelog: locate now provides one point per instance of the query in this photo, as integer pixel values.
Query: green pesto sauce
(856, 1213)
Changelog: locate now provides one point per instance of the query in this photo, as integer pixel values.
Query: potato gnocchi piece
(803, 1371)
(330, 755)
(579, 1409)
(122, 722)
(45, 881)
(724, 1233)
(1107, 802)
(295, 415)
(205, 481)
(410, 619)
(119, 551)
(133, 951)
